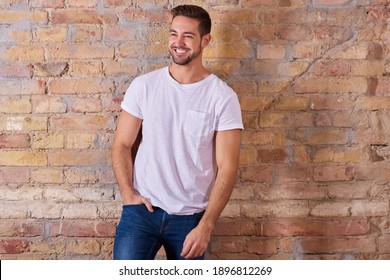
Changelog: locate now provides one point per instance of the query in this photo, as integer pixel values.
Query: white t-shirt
(175, 164)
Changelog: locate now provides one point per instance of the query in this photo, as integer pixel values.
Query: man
(187, 161)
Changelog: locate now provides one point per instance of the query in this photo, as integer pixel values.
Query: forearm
(198, 239)
(123, 170)
(219, 196)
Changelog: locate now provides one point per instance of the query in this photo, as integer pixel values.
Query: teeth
(180, 51)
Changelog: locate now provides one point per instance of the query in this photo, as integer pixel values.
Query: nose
(180, 40)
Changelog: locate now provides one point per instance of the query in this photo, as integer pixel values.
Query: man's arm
(227, 146)
(122, 162)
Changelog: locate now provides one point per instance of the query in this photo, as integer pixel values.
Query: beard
(184, 60)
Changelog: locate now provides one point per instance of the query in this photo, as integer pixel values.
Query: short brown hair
(195, 12)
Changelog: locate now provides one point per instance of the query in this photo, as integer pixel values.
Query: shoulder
(150, 76)
(221, 87)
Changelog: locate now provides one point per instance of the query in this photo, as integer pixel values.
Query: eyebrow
(186, 33)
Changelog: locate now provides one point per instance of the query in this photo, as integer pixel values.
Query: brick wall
(313, 81)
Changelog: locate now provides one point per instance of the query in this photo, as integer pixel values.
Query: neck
(188, 74)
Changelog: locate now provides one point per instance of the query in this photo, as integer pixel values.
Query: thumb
(148, 205)
(186, 248)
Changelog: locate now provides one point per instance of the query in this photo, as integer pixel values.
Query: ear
(206, 40)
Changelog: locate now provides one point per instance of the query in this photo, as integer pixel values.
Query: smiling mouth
(180, 51)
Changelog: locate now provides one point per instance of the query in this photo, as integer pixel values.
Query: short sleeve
(230, 116)
(132, 101)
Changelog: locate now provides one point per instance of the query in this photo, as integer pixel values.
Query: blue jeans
(140, 233)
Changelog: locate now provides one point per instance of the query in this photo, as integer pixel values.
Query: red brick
(253, 33)
(347, 190)
(255, 103)
(309, 227)
(49, 105)
(292, 190)
(50, 69)
(23, 17)
(384, 244)
(341, 155)
(14, 3)
(145, 16)
(85, 105)
(78, 158)
(250, 120)
(14, 141)
(294, 32)
(47, 3)
(82, 228)
(332, 102)
(369, 208)
(86, 68)
(360, 51)
(350, 119)
(241, 15)
(372, 172)
(320, 137)
(87, 33)
(382, 87)
(84, 4)
(331, 32)
(22, 158)
(51, 34)
(332, 68)
(323, 119)
(244, 191)
(276, 209)
(371, 136)
(13, 246)
(262, 246)
(291, 16)
(273, 156)
(288, 103)
(333, 173)
(14, 174)
(17, 228)
(13, 34)
(331, 85)
(33, 87)
(111, 104)
(107, 177)
(271, 52)
(81, 17)
(331, 2)
(16, 70)
(81, 86)
(235, 227)
(292, 69)
(337, 245)
(257, 137)
(79, 122)
(247, 157)
(120, 34)
(15, 105)
(257, 174)
(80, 51)
(293, 174)
(287, 118)
(228, 244)
(331, 209)
(258, 3)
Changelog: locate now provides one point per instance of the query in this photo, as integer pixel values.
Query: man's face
(185, 43)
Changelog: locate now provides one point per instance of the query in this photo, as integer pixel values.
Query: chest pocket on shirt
(198, 138)
(196, 123)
